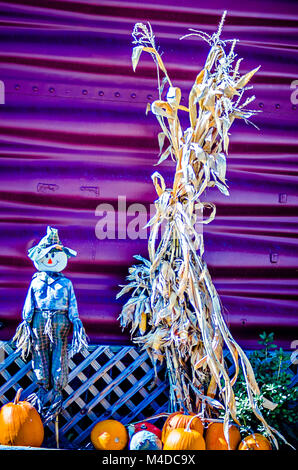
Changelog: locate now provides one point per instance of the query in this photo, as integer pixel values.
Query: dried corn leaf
(155, 177)
(245, 78)
(165, 155)
(136, 53)
(161, 138)
(158, 58)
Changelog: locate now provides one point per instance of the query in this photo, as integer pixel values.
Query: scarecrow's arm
(73, 312)
(79, 339)
(23, 334)
(29, 305)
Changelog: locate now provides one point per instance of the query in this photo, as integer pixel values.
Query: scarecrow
(49, 310)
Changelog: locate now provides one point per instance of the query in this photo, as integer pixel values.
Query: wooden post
(57, 431)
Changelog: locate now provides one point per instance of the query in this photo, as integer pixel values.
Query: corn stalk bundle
(174, 310)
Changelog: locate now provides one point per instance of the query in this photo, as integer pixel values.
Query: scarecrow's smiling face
(55, 261)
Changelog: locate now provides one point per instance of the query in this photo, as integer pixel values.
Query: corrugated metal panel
(74, 135)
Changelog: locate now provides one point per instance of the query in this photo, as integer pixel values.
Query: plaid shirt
(50, 291)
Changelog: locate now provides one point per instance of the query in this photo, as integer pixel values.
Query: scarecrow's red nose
(50, 261)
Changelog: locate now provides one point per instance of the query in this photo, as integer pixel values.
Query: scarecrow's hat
(47, 243)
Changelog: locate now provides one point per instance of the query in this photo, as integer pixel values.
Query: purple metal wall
(74, 134)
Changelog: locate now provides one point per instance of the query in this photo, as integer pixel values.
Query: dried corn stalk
(174, 310)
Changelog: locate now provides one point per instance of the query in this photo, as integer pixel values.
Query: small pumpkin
(255, 441)
(145, 440)
(20, 424)
(215, 438)
(109, 434)
(184, 439)
(181, 420)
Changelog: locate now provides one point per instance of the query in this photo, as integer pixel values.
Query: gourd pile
(21, 425)
(180, 432)
(174, 311)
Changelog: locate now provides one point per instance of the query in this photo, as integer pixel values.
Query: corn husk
(184, 326)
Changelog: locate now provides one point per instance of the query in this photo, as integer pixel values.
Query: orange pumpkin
(181, 420)
(20, 424)
(215, 439)
(183, 439)
(109, 434)
(255, 441)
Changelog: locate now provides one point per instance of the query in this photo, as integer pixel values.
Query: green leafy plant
(271, 368)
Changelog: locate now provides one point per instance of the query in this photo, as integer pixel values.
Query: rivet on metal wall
(294, 106)
(133, 95)
(243, 321)
(149, 97)
(52, 90)
(84, 92)
(35, 88)
(277, 105)
(100, 93)
(17, 86)
(273, 257)
(117, 94)
(283, 198)
(261, 105)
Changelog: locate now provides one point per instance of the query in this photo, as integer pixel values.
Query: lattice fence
(104, 382)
